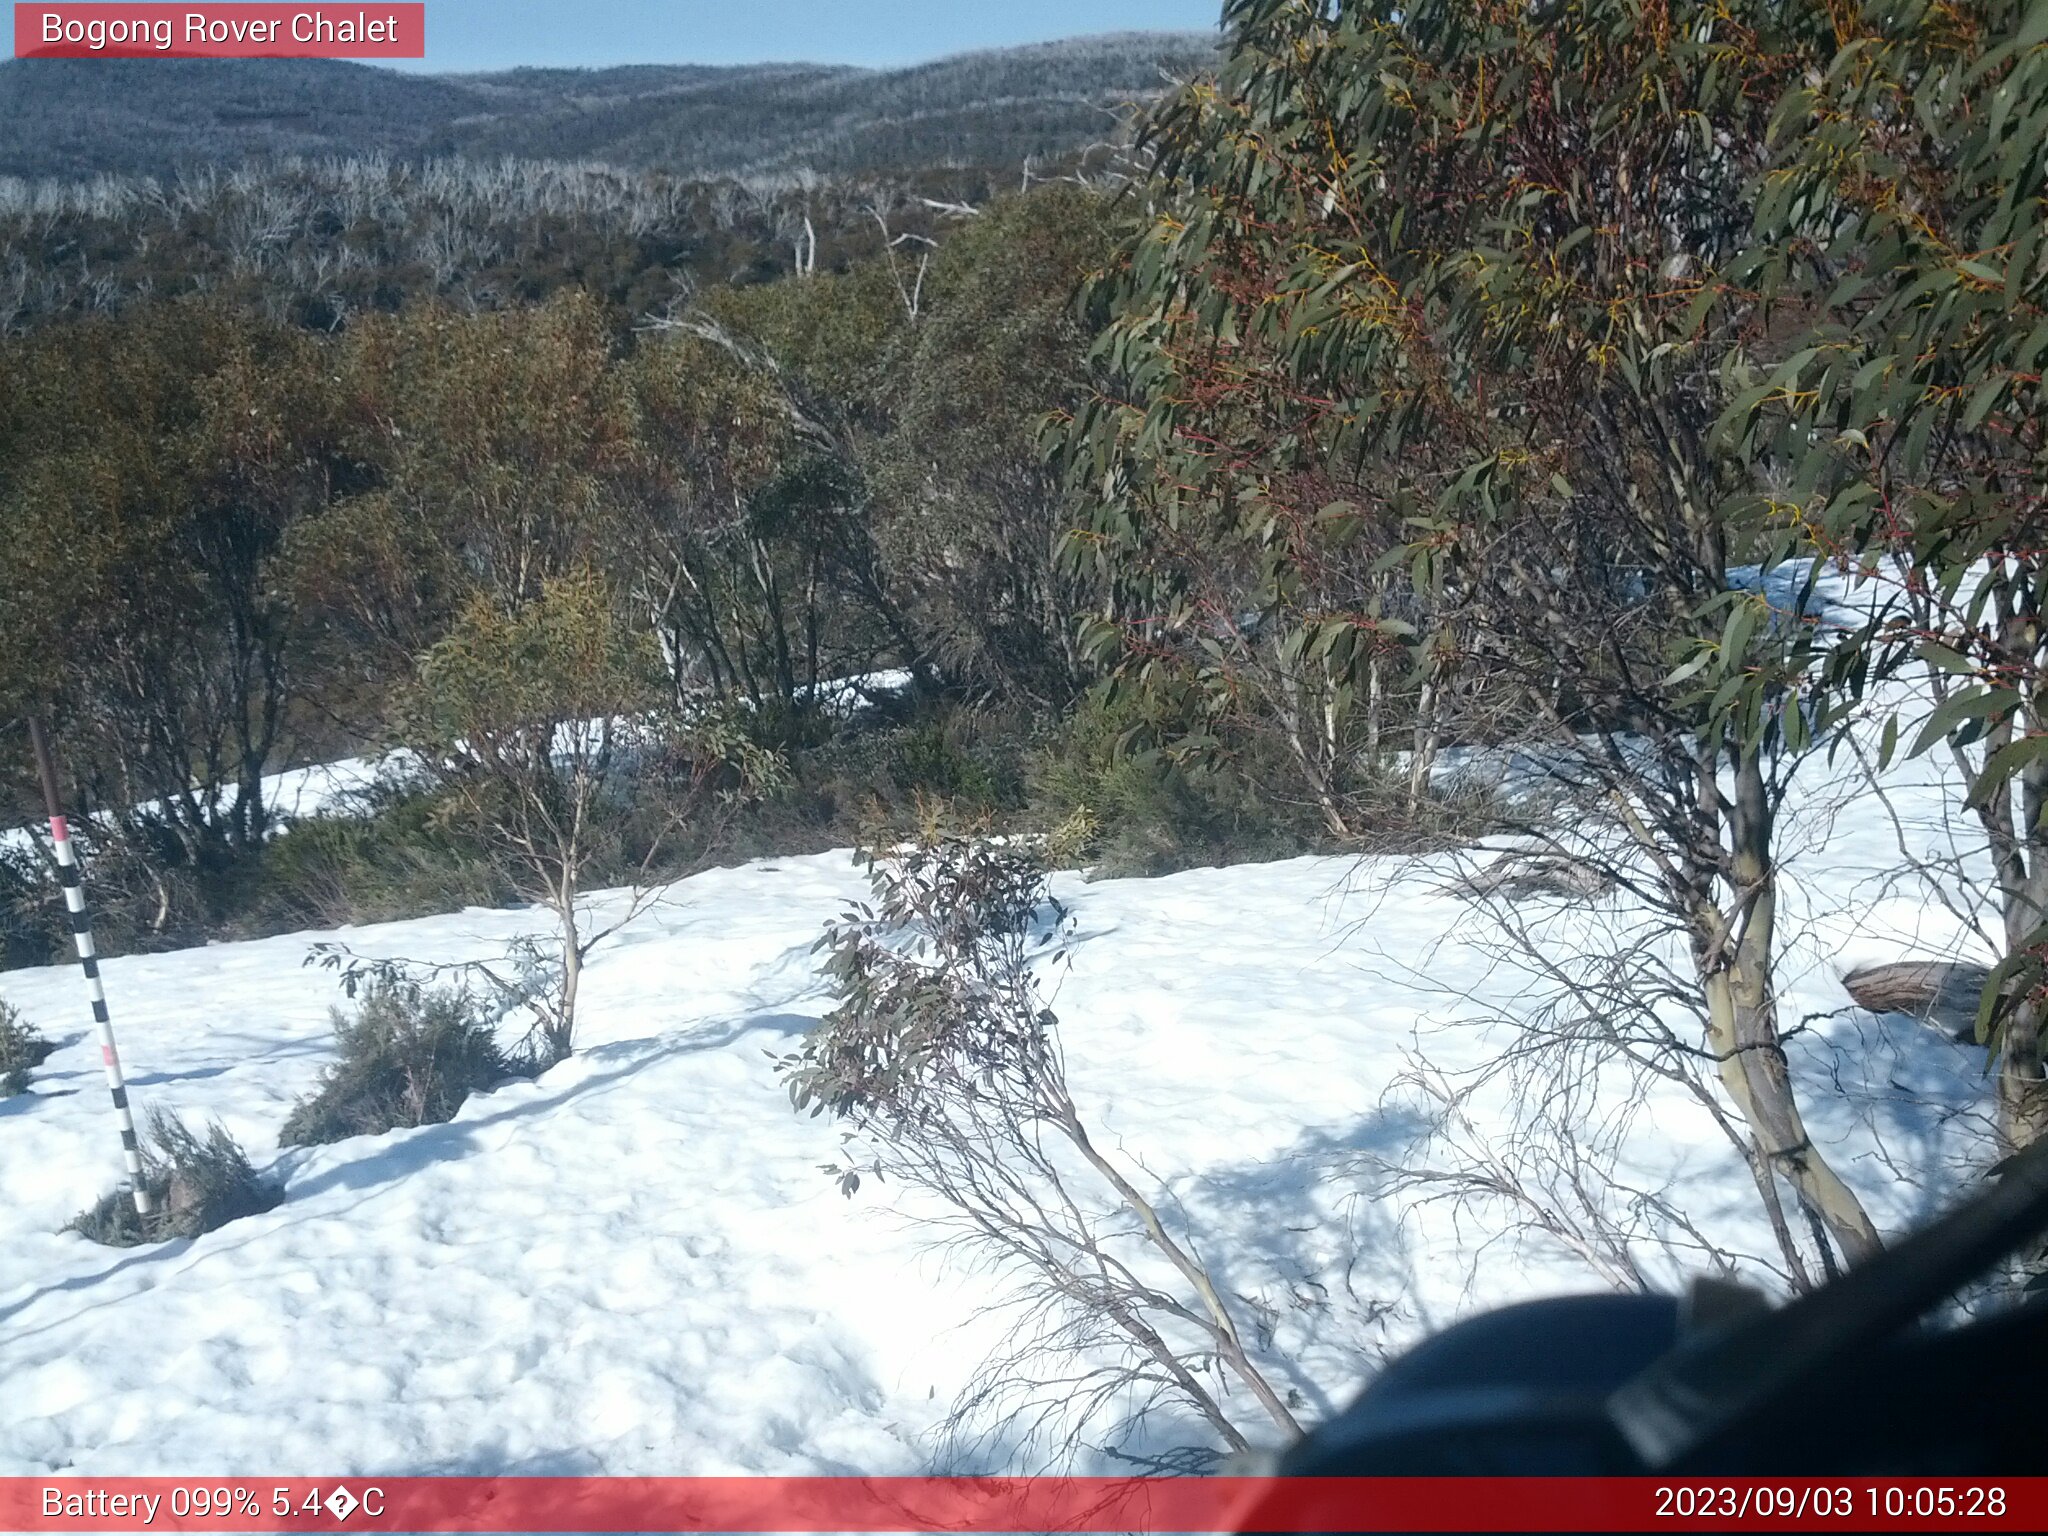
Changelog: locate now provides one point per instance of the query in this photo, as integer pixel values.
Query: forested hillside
(79, 118)
(317, 241)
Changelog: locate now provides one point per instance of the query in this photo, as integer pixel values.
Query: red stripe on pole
(60, 828)
(107, 1055)
(810, 1504)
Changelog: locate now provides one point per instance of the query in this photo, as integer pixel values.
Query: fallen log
(1943, 994)
(1517, 874)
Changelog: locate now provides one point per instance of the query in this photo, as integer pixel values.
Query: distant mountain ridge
(79, 118)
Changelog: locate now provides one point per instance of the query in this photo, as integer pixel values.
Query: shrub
(147, 894)
(937, 759)
(401, 858)
(943, 1061)
(26, 935)
(22, 1050)
(1129, 809)
(884, 774)
(409, 1056)
(194, 1186)
(1111, 799)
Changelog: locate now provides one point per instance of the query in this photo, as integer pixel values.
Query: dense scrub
(260, 544)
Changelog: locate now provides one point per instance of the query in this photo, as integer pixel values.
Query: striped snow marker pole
(89, 961)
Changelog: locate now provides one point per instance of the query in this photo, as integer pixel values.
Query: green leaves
(2015, 757)
(936, 1003)
(500, 683)
(1538, 331)
(1963, 715)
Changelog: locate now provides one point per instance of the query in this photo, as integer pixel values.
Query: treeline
(995, 108)
(312, 243)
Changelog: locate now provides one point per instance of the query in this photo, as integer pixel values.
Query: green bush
(408, 1056)
(26, 935)
(950, 759)
(884, 774)
(22, 1050)
(404, 858)
(146, 894)
(194, 1186)
(1127, 809)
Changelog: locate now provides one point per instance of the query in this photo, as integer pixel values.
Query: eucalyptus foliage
(1436, 348)
(1907, 206)
(942, 1056)
(1440, 293)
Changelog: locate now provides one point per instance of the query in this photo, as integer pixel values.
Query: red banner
(103, 31)
(1104, 1504)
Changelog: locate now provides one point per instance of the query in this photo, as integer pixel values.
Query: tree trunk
(1375, 703)
(1222, 1326)
(1423, 759)
(562, 1035)
(1315, 771)
(2022, 1085)
(1767, 1188)
(1742, 1008)
(2020, 852)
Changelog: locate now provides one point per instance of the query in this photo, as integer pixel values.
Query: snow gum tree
(1425, 352)
(1907, 208)
(151, 470)
(968, 509)
(491, 447)
(529, 719)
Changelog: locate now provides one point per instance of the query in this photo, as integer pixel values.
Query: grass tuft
(408, 1056)
(195, 1185)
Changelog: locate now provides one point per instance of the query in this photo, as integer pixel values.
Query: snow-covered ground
(340, 788)
(635, 1264)
(290, 795)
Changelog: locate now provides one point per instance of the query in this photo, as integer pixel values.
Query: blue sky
(502, 34)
